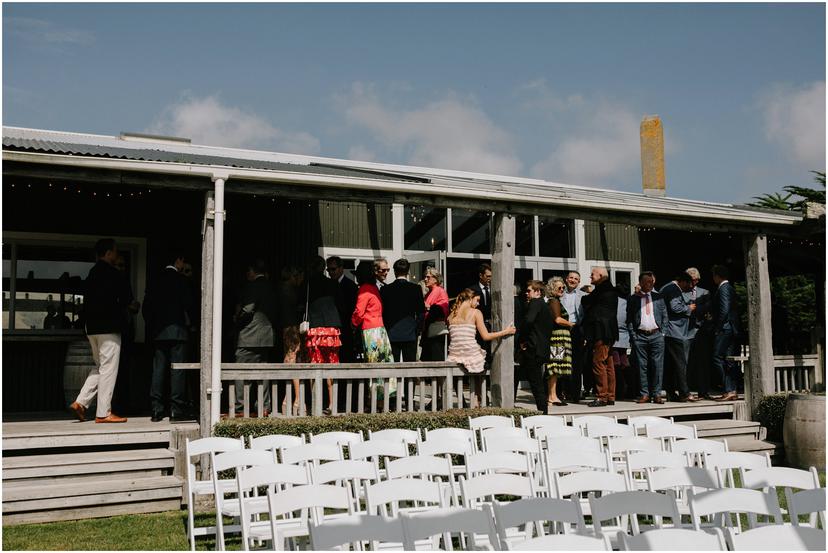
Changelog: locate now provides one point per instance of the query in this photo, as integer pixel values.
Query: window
(525, 235)
(556, 237)
(471, 231)
(425, 228)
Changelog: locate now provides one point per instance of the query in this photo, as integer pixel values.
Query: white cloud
(361, 153)
(794, 118)
(42, 31)
(449, 133)
(207, 121)
(596, 142)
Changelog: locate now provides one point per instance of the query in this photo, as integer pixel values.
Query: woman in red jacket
(367, 316)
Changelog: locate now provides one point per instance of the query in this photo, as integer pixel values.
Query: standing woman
(433, 340)
(560, 343)
(465, 321)
(367, 316)
(322, 340)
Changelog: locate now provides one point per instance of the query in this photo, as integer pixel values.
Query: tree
(778, 201)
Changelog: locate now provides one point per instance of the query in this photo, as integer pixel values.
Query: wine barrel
(804, 431)
(76, 367)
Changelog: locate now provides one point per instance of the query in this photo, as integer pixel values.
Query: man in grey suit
(680, 313)
(699, 336)
(646, 322)
(255, 313)
(725, 330)
(166, 303)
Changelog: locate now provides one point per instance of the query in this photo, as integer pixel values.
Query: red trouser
(604, 370)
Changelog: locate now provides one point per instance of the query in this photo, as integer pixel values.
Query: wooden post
(206, 356)
(503, 310)
(759, 380)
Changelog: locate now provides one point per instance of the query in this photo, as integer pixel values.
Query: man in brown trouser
(600, 327)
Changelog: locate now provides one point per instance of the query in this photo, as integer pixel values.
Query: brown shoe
(728, 397)
(658, 399)
(643, 399)
(79, 410)
(690, 398)
(112, 417)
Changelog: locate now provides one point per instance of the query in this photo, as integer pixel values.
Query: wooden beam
(760, 377)
(503, 309)
(206, 313)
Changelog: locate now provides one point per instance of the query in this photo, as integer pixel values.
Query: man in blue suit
(680, 314)
(725, 330)
(646, 322)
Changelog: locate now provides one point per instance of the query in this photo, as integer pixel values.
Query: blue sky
(554, 91)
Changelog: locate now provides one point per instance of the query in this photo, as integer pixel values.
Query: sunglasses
(383, 270)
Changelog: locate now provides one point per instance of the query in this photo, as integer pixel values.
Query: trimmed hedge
(771, 414)
(456, 418)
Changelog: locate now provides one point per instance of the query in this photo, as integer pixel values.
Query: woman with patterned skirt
(560, 344)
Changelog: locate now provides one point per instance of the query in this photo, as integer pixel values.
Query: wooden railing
(420, 386)
(797, 373)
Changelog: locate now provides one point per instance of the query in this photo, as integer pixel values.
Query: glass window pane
(624, 278)
(461, 273)
(557, 237)
(525, 235)
(6, 284)
(425, 228)
(471, 231)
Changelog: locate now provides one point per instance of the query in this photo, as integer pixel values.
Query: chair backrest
(699, 445)
(444, 522)
(450, 434)
(350, 469)
(336, 438)
(777, 538)
(276, 442)
(410, 437)
(780, 477)
(733, 500)
(684, 477)
(500, 461)
(726, 463)
(542, 421)
(671, 430)
(475, 488)
(576, 461)
(355, 528)
(241, 458)
(445, 445)
(206, 446)
(390, 492)
(674, 539)
(507, 515)
(589, 481)
(311, 453)
(641, 460)
(608, 430)
(518, 445)
(640, 423)
(419, 465)
(491, 421)
(502, 432)
(582, 421)
(570, 443)
(806, 502)
(630, 444)
(550, 433)
(315, 497)
(633, 503)
(374, 449)
(564, 542)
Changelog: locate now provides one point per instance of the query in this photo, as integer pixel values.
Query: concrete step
(151, 462)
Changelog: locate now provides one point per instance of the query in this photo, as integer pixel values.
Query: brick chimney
(652, 156)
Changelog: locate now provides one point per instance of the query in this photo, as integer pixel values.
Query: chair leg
(191, 521)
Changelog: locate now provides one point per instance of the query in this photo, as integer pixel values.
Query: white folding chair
(410, 437)
(374, 450)
(673, 539)
(562, 515)
(311, 453)
(697, 449)
(680, 481)
(445, 435)
(571, 442)
(729, 501)
(806, 503)
(620, 448)
(443, 523)
(205, 486)
(352, 473)
(638, 462)
(563, 462)
(490, 421)
(777, 538)
(448, 445)
(578, 483)
(726, 463)
(564, 542)
(498, 461)
(494, 434)
(479, 489)
(276, 477)
(337, 438)
(640, 423)
(382, 532)
(421, 495)
(276, 442)
(608, 430)
(626, 507)
(786, 478)
(426, 467)
(541, 421)
(581, 422)
(236, 460)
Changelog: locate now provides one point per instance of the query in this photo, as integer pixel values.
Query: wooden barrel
(76, 367)
(804, 431)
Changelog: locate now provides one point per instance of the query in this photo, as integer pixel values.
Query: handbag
(304, 326)
(557, 353)
(437, 328)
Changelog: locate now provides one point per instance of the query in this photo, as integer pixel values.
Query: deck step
(87, 434)
(752, 445)
(150, 461)
(727, 428)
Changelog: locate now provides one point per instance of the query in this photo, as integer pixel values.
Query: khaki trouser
(106, 351)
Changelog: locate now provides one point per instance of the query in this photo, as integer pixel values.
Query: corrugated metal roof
(422, 180)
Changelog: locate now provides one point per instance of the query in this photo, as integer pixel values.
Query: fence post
(317, 393)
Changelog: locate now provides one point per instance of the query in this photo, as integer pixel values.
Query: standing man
(680, 316)
(107, 296)
(600, 328)
(535, 331)
(402, 311)
(646, 323)
(700, 335)
(255, 314)
(571, 300)
(120, 398)
(725, 330)
(381, 271)
(346, 302)
(165, 309)
(483, 287)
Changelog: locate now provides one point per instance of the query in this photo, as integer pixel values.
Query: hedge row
(770, 413)
(456, 418)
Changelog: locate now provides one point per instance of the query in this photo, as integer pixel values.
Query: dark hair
(401, 267)
(646, 274)
(483, 268)
(173, 255)
(684, 277)
(104, 245)
(290, 271)
(316, 264)
(336, 261)
(536, 285)
(365, 272)
(721, 271)
(258, 266)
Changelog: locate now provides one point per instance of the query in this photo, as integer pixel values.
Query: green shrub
(771, 414)
(456, 418)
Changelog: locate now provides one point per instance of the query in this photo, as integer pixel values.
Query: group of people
(574, 340)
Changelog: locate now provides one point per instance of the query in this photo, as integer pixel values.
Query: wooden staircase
(65, 470)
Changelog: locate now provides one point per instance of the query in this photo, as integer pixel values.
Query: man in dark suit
(535, 332)
(166, 303)
(646, 322)
(256, 311)
(402, 311)
(600, 328)
(346, 302)
(680, 315)
(483, 288)
(725, 330)
(106, 297)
